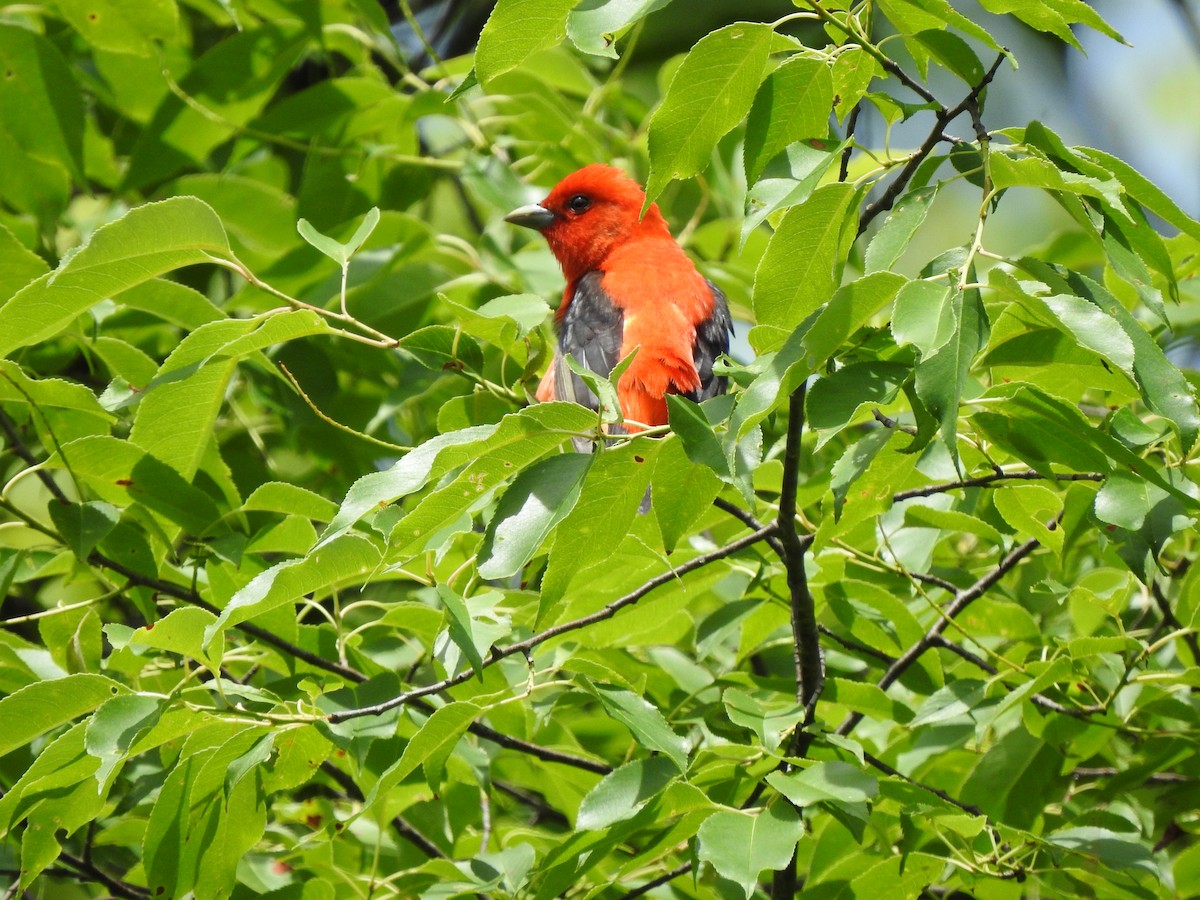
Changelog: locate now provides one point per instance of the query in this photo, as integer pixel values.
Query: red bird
(629, 285)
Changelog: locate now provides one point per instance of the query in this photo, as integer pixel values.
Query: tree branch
(658, 882)
(119, 888)
(944, 117)
(988, 480)
(399, 825)
(606, 612)
(961, 601)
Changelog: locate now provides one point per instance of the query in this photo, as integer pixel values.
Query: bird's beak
(533, 216)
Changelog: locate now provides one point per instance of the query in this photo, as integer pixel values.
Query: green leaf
(710, 93)
(612, 491)
(952, 52)
(926, 315)
(1092, 328)
(523, 439)
(801, 266)
(1053, 16)
(955, 700)
(789, 183)
(491, 450)
(142, 244)
(226, 88)
(48, 393)
(338, 252)
(792, 103)
(345, 560)
(899, 226)
(122, 26)
(853, 71)
(41, 123)
(1029, 171)
(925, 14)
(181, 631)
(1186, 870)
(36, 708)
(515, 30)
(442, 347)
(648, 725)
(769, 715)
(411, 473)
(115, 726)
(833, 400)
(741, 844)
(18, 264)
(1144, 191)
(436, 738)
(594, 25)
(84, 525)
(1115, 850)
(327, 245)
(175, 417)
(809, 346)
(290, 499)
(951, 520)
(623, 792)
(833, 782)
(1163, 386)
(125, 475)
(941, 377)
(461, 627)
(681, 492)
(695, 433)
(1012, 779)
(171, 302)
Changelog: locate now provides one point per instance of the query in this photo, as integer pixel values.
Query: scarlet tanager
(629, 285)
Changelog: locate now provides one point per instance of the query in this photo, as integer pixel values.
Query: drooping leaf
(642, 718)
(515, 30)
(711, 93)
(1054, 16)
(792, 103)
(623, 792)
(38, 707)
(799, 271)
(593, 25)
(740, 845)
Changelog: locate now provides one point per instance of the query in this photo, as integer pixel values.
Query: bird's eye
(579, 203)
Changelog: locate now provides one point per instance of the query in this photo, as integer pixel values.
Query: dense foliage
(302, 597)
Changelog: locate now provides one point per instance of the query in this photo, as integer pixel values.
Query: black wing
(591, 331)
(712, 339)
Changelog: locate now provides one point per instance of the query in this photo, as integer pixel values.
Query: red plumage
(629, 285)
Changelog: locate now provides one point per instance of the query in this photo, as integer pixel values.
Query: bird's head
(589, 213)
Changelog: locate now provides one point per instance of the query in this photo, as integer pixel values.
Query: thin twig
(888, 770)
(855, 646)
(665, 878)
(399, 825)
(379, 442)
(1168, 615)
(93, 873)
(748, 520)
